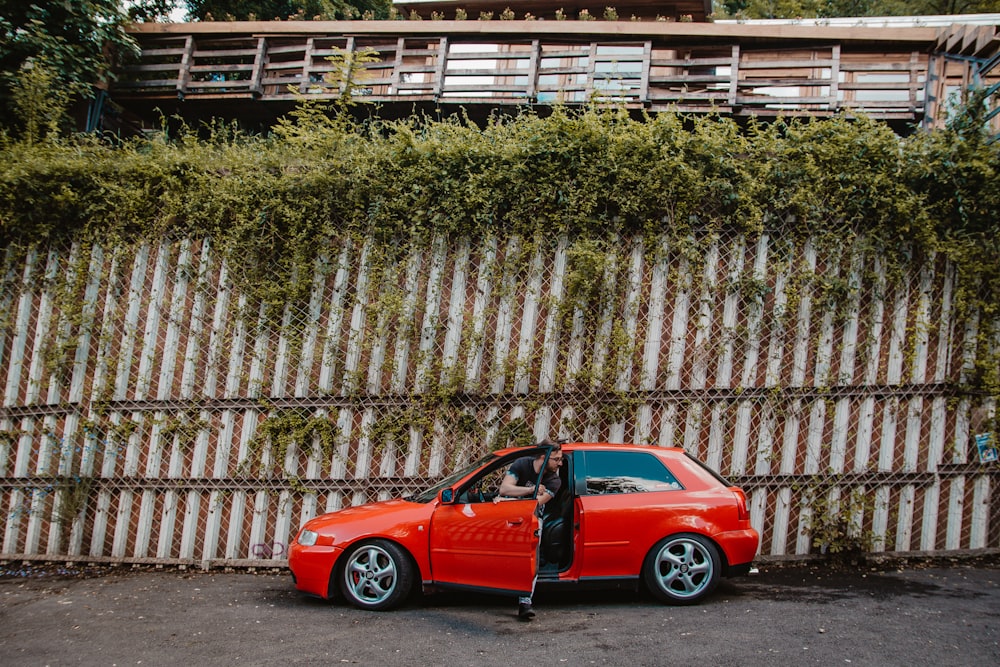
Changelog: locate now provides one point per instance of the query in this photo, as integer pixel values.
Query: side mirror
(448, 496)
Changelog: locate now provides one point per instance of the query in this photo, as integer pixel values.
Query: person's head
(555, 455)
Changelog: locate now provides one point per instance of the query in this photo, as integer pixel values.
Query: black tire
(682, 569)
(376, 575)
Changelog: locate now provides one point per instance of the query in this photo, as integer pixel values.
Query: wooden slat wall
(128, 425)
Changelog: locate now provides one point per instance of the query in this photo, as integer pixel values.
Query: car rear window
(627, 472)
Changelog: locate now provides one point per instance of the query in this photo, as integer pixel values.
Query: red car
(623, 514)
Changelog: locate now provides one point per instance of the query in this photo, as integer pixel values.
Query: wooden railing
(728, 69)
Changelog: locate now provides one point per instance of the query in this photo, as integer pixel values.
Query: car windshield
(431, 493)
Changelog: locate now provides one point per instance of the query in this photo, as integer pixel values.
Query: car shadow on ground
(565, 598)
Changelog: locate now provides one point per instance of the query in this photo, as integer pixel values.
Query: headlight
(307, 538)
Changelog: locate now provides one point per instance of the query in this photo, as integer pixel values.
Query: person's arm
(509, 487)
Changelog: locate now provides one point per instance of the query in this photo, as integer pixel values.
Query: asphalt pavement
(941, 613)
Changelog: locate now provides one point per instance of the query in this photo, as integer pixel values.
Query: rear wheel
(682, 569)
(376, 576)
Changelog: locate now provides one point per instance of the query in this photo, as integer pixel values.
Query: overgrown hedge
(271, 203)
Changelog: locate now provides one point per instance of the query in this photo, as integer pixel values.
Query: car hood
(381, 518)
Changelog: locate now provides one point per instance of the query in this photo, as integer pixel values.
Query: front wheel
(682, 569)
(376, 576)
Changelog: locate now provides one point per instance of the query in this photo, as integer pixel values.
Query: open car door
(478, 541)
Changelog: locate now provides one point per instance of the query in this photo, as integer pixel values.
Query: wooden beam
(647, 51)
(734, 75)
(639, 30)
(835, 77)
(440, 63)
(184, 73)
(533, 63)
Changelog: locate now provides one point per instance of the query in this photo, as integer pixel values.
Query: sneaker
(525, 612)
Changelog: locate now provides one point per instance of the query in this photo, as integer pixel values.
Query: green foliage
(349, 73)
(933, 7)
(839, 174)
(274, 206)
(75, 494)
(589, 175)
(835, 524)
(183, 427)
(40, 102)
(515, 433)
(79, 40)
(279, 10)
(789, 9)
(957, 172)
(151, 10)
(280, 433)
(589, 261)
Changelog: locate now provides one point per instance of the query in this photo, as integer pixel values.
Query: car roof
(584, 446)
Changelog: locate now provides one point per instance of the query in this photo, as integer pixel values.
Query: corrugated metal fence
(153, 413)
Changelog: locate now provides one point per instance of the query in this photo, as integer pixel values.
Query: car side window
(627, 472)
(485, 487)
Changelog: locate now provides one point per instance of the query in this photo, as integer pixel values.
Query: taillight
(741, 503)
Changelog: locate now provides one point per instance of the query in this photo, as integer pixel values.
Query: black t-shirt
(524, 473)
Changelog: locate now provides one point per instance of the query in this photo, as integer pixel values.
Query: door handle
(514, 522)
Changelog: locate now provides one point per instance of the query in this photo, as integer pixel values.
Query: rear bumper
(311, 568)
(740, 547)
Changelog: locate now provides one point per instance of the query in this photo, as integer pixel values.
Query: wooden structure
(255, 71)
(964, 57)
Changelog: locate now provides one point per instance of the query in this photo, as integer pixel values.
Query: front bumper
(311, 568)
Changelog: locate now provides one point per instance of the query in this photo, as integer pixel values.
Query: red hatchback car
(623, 514)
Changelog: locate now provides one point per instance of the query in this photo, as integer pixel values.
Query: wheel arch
(723, 559)
(678, 522)
(333, 588)
(646, 576)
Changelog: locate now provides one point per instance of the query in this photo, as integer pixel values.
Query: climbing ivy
(280, 432)
(274, 206)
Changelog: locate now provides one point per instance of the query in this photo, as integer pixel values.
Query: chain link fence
(154, 411)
